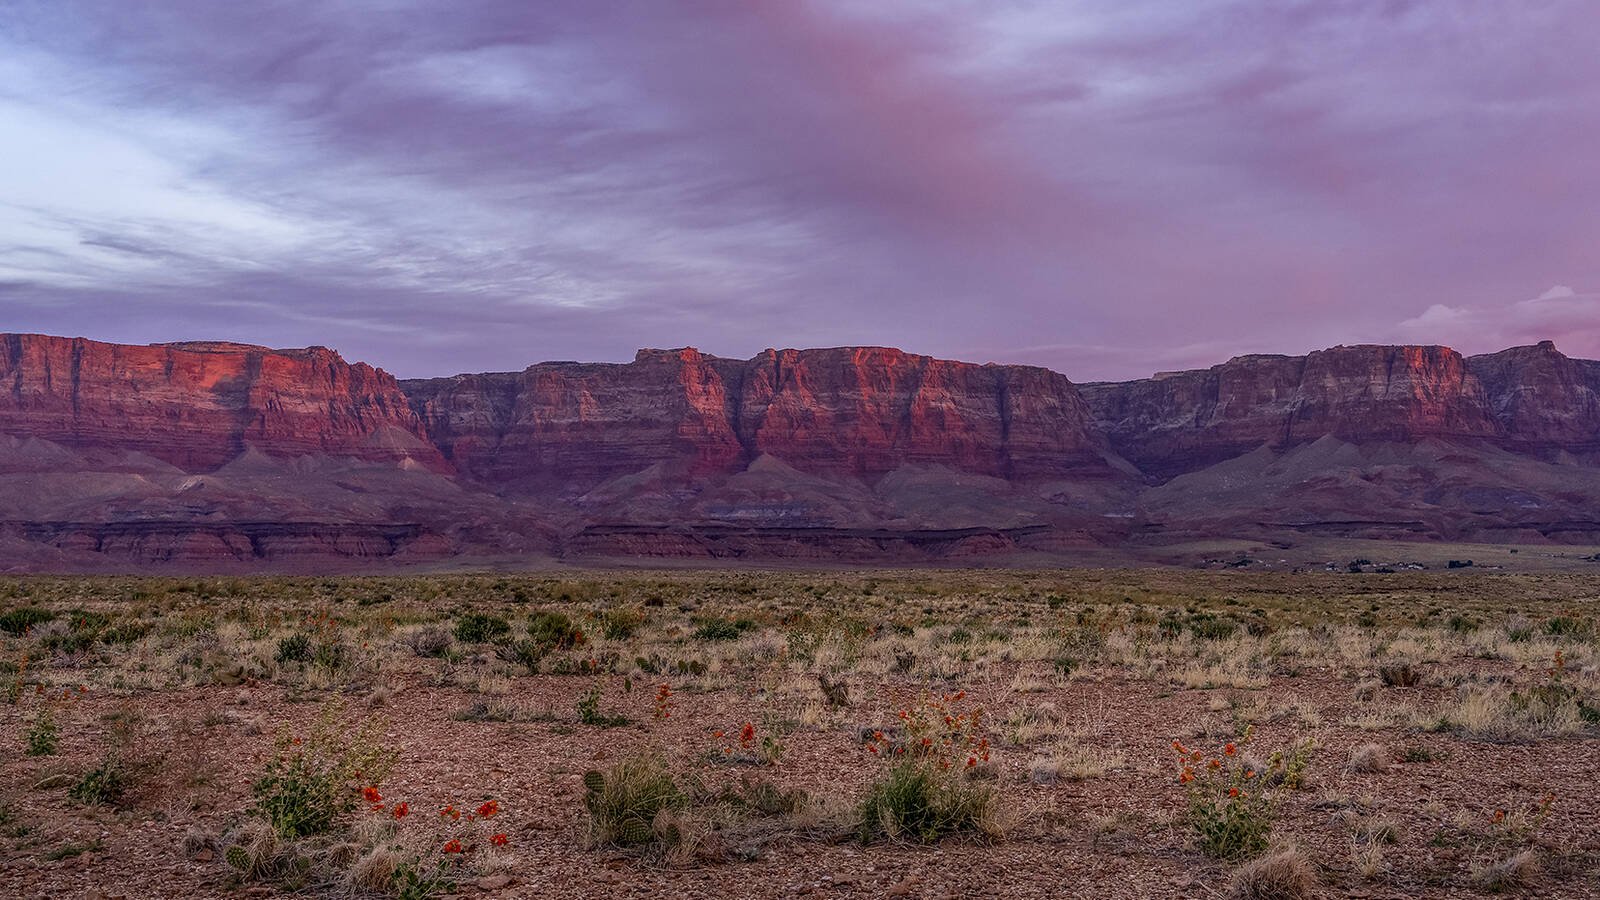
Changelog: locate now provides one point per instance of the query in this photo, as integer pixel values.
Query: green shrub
(105, 783)
(718, 629)
(1566, 626)
(916, 799)
(554, 631)
(624, 801)
(329, 654)
(589, 712)
(1208, 627)
(526, 653)
(311, 783)
(620, 624)
(16, 622)
(125, 633)
(414, 881)
(479, 628)
(296, 648)
(42, 737)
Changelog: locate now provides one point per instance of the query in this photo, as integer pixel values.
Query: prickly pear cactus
(594, 781)
(237, 857)
(635, 831)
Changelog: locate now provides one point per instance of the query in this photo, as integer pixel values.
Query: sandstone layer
(218, 455)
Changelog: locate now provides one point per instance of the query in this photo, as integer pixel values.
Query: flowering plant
(1229, 808)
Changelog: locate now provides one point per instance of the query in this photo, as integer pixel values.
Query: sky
(1107, 187)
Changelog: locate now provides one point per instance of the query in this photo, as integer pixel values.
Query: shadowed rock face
(856, 412)
(1183, 421)
(1543, 401)
(198, 405)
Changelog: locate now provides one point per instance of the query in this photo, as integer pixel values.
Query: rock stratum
(218, 455)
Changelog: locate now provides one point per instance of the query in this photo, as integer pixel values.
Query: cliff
(198, 405)
(1183, 421)
(856, 412)
(216, 454)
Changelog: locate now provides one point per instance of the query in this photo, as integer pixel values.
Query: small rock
(905, 888)
(494, 882)
(204, 854)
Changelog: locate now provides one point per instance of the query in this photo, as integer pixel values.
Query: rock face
(1541, 399)
(199, 405)
(1183, 421)
(209, 454)
(579, 424)
(856, 412)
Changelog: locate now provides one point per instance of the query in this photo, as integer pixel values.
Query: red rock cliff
(199, 405)
(853, 411)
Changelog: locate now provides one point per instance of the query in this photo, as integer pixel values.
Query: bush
(554, 631)
(928, 790)
(42, 736)
(1286, 875)
(1208, 627)
(716, 629)
(1399, 675)
(919, 800)
(589, 712)
(621, 624)
(296, 648)
(624, 801)
(526, 653)
(1566, 626)
(479, 628)
(105, 783)
(429, 642)
(310, 784)
(125, 633)
(16, 622)
(1228, 809)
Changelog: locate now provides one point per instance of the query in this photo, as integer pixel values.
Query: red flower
(452, 846)
(371, 794)
(450, 812)
(499, 840)
(1230, 749)
(488, 810)
(747, 734)
(402, 809)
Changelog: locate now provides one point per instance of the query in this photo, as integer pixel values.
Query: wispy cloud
(1106, 188)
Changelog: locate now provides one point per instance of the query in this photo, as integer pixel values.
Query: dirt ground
(1085, 681)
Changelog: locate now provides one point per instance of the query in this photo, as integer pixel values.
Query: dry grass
(1284, 875)
(1370, 759)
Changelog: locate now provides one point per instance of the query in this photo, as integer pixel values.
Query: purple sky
(1107, 188)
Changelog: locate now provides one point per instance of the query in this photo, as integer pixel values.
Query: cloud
(1561, 314)
(1106, 189)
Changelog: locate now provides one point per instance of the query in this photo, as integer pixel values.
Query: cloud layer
(1107, 188)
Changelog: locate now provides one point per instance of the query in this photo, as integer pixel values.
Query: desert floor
(1421, 734)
